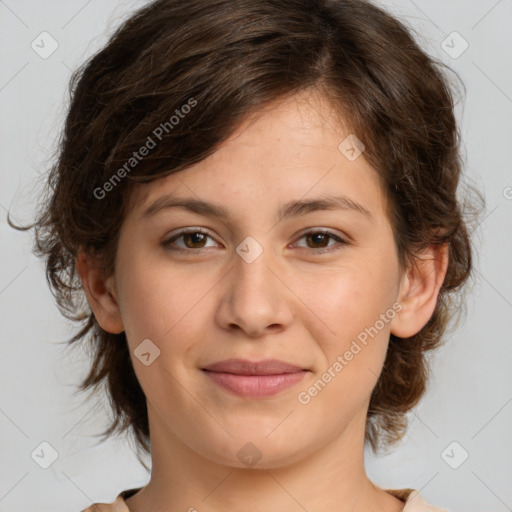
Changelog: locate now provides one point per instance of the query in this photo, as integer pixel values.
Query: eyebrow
(291, 209)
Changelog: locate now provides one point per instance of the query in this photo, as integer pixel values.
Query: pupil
(196, 237)
(315, 238)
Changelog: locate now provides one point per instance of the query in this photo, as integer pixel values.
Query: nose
(256, 297)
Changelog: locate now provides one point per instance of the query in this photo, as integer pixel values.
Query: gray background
(470, 395)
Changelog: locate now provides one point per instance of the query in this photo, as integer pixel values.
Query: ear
(419, 290)
(100, 292)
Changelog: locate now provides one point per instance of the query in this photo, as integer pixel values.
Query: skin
(292, 303)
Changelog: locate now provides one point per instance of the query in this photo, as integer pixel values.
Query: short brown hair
(233, 57)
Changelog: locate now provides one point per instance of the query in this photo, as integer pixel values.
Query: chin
(250, 450)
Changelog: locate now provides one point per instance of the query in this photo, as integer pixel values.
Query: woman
(258, 200)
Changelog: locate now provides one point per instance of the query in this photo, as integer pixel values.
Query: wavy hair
(234, 57)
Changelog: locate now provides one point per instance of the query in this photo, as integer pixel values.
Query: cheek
(347, 300)
(160, 304)
(163, 303)
(354, 305)
(150, 302)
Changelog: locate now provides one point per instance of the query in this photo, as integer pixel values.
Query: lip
(254, 379)
(246, 367)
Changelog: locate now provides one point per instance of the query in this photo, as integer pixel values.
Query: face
(312, 286)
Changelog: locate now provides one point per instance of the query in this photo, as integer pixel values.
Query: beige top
(411, 498)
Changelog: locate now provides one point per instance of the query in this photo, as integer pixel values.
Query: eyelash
(167, 243)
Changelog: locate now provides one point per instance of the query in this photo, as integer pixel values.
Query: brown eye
(192, 239)
(320, 240)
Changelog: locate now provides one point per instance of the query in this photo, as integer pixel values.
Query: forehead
(287, 150)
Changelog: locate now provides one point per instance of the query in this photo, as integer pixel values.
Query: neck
(332, 478)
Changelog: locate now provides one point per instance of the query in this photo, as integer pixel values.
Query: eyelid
(183, 231)
(342, 238)
(327, 231)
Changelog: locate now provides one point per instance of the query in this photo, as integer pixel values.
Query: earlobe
(100, 292)
(419, 291)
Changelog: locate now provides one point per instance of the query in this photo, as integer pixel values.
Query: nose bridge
(256, 298)
(252, 277)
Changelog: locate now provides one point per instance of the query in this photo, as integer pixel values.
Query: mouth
(254, 379)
